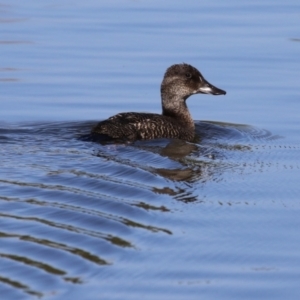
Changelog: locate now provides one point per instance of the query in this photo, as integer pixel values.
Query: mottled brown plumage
(180, 82)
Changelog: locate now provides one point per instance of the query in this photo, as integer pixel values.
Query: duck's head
(183, 80)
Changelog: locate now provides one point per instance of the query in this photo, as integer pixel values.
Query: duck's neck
(175, 107)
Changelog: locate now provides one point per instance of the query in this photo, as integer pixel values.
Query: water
(155, 219)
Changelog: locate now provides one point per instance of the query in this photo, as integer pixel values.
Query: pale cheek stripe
(205, 89)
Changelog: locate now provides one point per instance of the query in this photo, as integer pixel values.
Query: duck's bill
(208, 88)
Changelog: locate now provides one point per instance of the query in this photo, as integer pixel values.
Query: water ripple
(70, 206)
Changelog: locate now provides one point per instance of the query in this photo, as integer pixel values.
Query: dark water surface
(161, 219)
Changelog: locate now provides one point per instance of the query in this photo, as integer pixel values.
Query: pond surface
(160, 219)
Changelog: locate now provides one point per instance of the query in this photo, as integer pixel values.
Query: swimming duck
(180, 81)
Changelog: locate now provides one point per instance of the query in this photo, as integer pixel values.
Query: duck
(180, 81)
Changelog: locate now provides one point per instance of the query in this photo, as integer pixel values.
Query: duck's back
(137, 126)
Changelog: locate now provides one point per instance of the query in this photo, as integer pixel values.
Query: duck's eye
(188, 75)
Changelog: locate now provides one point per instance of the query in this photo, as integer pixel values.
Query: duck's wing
(129, 126)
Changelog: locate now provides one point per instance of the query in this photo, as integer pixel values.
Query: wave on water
(69, 205)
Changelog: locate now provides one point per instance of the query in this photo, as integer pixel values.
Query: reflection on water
(70, 206)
